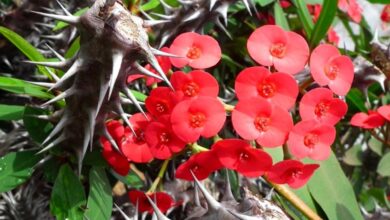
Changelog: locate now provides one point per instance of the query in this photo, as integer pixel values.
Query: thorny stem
(295, 201)
(159, 177)
(375, 135)
(285, 192)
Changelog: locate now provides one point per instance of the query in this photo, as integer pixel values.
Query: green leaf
(276, 153)
(380, 1)
(25, 47)
(280, 16)
(332, 190)
(61, 25)
(22, 87)
(16, 168)
(354, 156)
(68, 197)
(132, 179)
(139, 96)
(375, 145)
(264, 2)
(356, 99)
(304, 16)
(384, 165)
(304, 194)
(328, 12)
(150, 5)
(74, 47)
(100, 198)
(38, 129)
(11, 112)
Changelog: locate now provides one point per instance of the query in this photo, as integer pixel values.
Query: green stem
(159, 177)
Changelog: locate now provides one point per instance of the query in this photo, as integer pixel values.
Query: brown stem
(375, 135)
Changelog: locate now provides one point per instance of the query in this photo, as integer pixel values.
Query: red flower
(256, 119)
(238, 155)
(292, 172)
(279, 88)
(271, 45)
(203, 116)
(319, 104)
(315, 10)
(165, 65)
(198, 51)
(162, 200)
(116, 130)
(385, 15)
(195, 83)
(367, 121)
(133, 146)
(333, 37)
(161, 139)
(330, 68)
(311, 139)
(116, 160)
(352, 8)
(201, 164)
(161, 101)
(384, 111)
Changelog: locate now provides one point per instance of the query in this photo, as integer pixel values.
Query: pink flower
(384, 111)
(193, 84)
(367, 121)
(293, 172)
(319, 104)
(162, 141)
(270, 45)
(256, 119)
(238, 155)
(333, 37)
(134, 146)
(330, 68)
(279, 88)
(203, 116)
(352, 8)
(198, 51)
(311, 139)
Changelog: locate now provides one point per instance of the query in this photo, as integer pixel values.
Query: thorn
(52, 144)
(146, 14)
(165, 5)
(154, 63)
(63, 95)
(71, 71)
(102, 94)
(220, 25)
(164, 39)
(223, 11)
(124, 117)
(212, 3)
(43, 84)
(159, 214)
(67, 19)
(151, 23)
(60, 125)
(57, 65)
(196, 195)
(58, 36)
(246, 3)
(164, 54)
(269, 195)
(86, 140)
(122, 213)
(50, 26)
(166, 17)
(146, 72)
(132, 98)
(91, 124)
(241, 216)
(59, 56)
(194, 15)
(107, 135)
(53, 75)
(117, 59)
(212, 203)
(63, 8)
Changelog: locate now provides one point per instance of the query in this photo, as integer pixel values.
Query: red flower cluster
(161, 199)
(372, 119)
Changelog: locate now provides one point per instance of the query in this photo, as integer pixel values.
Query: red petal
(116, 130)
(201, 164)
(384, 111)
(319, 59)
(248, 80)
(343, 81)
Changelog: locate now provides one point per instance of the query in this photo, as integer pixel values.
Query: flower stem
(375, 135)
(295, 201)
(159, 177)
(228, 108)
(196, 148)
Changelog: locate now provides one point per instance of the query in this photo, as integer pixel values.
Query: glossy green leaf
(264, 2)
(100, 202)
(384, 165)
(280, 16)
(22, 87)
(11, 112)
(354, 156)
(38, 129)
(61, 25)
(131, 179)
(150, 5)
(355, 98)
(73, 49)
(25, 47)
(332, 190)
(139, 96)
(68, 197)
(321, 27)
(304, 16)
(16, 168)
